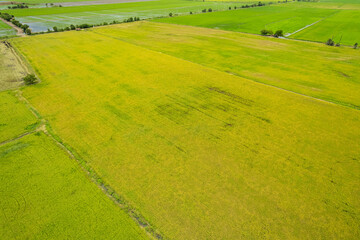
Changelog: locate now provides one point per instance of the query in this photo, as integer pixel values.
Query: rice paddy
(6, 30)
(44, 194)
(187, 125)
(41, 19)
(309, 21)
(201, 153)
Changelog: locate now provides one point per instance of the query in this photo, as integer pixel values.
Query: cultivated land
(5, 30)
(44, 195)
(43, 192)
(342, 27)
(41, 19)
(12, 70)
(328, 21)
(15, 118)
(328, 73)
(201, 153)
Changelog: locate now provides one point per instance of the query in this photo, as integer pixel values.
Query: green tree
(28, 31)
(30, 79)
(330, 42)
(279, 33)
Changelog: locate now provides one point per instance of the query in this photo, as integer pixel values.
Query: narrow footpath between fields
(19, 31)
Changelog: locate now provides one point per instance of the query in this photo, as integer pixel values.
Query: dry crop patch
(12, 70)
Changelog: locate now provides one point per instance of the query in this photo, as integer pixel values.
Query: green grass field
(201, 153)
(317, 70)
(291, 17)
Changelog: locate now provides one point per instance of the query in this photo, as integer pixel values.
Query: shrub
(85, 25)
(279, 33)
(264, 32)
(229, 8)
(30, 79)
(170, 14)
(204, 10)
(72, 27)
(28, 31)
(330, 42)
(190, 13)
(24, 27)
(55, 29)
(210, 10)
(6, 16)
(355, 45)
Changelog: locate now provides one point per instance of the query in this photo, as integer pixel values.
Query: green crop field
(201, 153)
(342, 27)
(318, 21)
(6, 30)
(15, 118)
(323, 72)
(40, 19)
(43, 191)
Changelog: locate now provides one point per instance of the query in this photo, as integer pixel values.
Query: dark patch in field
(343, 74)
(117, 112)
(13, 148)
(234, 97)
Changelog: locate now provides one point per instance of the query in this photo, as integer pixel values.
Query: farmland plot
(44, 194)
(323, 72)
(202, 154)
(342, 27)
(43, 18)
(6, 30)
(15, 118)
(309, 21)
(12, 69)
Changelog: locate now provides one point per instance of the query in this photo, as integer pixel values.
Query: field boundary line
(17, 138)
(132, 212)
(312, 24)
(341, 104)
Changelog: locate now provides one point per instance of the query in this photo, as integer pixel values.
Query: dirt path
(19, 31)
